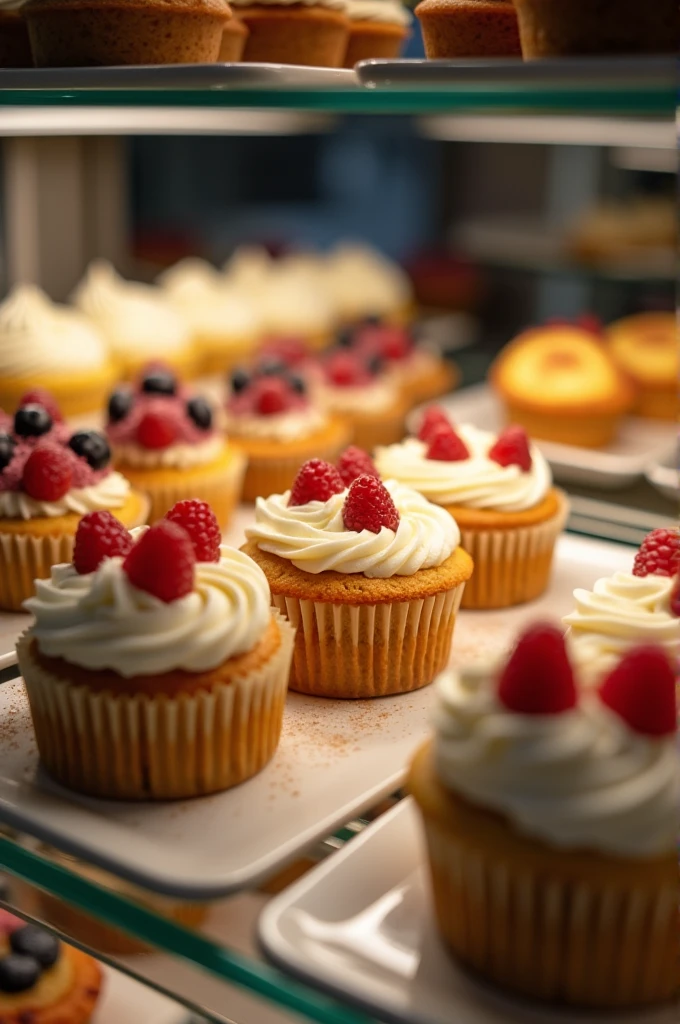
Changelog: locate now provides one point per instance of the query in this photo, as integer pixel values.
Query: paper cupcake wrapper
(274, 476)
(375, 650)
(221, 489)
(157, 748)
(385, 428)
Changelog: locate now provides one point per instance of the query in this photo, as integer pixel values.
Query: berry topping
(291, 351)
(369, 506)
(445, 445)
(537, 679)
(375, 364)
(200, 411)
(7, 446)
(200, 522)
(99, 535)
(156, 429)
(159, 382)
(240, 379)
(675, 598)
(316, 481)
(433, 417)
(659, 554)
(18, 973)
(120, 404)
(92, 446)
(372, 320)
(297, 384)
(392, 343)
(37, 943)
(271, 367)
(39, 396)
(512, 449)
(162, 562)
(32, 421)
(346, 369)
(641, 691)
(272, 396)
(355, 462)
(47, 474)
(8, 922)
(345, 337)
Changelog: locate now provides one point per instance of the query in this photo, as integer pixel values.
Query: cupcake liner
(25, 557)
(220, 487)
(381, 429)
(143, 747)
(358, 651)
(275, 475)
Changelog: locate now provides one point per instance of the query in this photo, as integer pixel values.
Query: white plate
(124, 999)
(335, 759)
(360, 926)
(665, 476)
(212, 77)
(12, 625)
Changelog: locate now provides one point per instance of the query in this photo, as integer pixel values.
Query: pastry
(357, 388)
(377, 28)
(469, 28)
(362, 283)
(645, 347)
(549, 29)
(311, 32)
(635, 230)
(420, 373)
(233, 42)
(370, 575)
(550, 814)
(560, 384)
(499, 490)
(50, 476)
(15, 48)
(188, 650)
(165, 440)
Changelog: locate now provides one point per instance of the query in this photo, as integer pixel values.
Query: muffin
(174, 633)
(560, 384)
(233, 42)
(499, 490)
(312, 32)
(165, 440)
(377, 28)
(96, 33)
(42, 980)
(551, 824)
(370, 574)
(548, 29)
(47, 346)
(15, 48)
(420, 373)
(50, 476)
(469, 28)
(362, 283)
(645, 348)
(358, 389)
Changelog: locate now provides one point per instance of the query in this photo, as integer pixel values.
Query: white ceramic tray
(179, 76)
(12, 626)
(335, 759)
(665, 475)
(360, 927)
(124, 999)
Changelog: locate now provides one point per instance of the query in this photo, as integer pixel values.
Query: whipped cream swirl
(387, 11)
(211, 307)
(111, 492)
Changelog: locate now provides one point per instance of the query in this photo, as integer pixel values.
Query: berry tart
(550, 813)
(629, 608)
(369, 573)
(42, 980)
(645, 348)
(164, 439)
(499, 490)
(50, 476)
(357, 387)
(273, 420)
(170, 630)
(422, 375)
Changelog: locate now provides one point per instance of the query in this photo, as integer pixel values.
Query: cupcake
(420, 373)
(377, 28)
(629, 608)
(561, 385)
(233, 42)
(165, 440)
(96, 33)
(312, 32)
(548, 29)
(47, 346)
(358, 389)
(15, 48)
(370, 574)
(272, 419)
(551, 820)
(137, 321)
(469, 28)
(499, 490)
(361, 283)
(170, 632)
(50, 476)
(645, 348)
(42, 980)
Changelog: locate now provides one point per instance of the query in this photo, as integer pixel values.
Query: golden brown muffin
(469, 28)
(370, 40)
(295, 34)
(645, 347)
(233, 43)
(15, 48)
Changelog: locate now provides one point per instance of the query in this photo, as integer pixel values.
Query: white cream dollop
(388, 11)
(361, 282)
(111, 492)
(313, 536)
(212, 309)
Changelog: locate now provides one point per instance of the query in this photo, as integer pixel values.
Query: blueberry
(7, 446)
(120, 404)
(200, 412)
(17, 972)
(372, 320)
(35, 943)
(93, 446)
(32, 421)
(375, 364)
(297, 384)
(345, 337)
(240, 379)
(159, 382)
(271, 368)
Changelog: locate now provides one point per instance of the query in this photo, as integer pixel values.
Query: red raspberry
(369, 506)
(273, 396)
(162, 562)
(659, 554)
(47, 473)
(391, 343)
(355, 462)
(316, 481)
(512, 449)
(156, 429)
(99, 536)
(641, 690)
(345, 369)
(537, 679)
(675, 598)
(446, 446)
(291, 351)
(200, 522)
(433, 417)
(39, 396)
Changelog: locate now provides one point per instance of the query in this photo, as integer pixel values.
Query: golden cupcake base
(295, 34)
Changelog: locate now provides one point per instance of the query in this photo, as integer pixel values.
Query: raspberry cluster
(158, 412)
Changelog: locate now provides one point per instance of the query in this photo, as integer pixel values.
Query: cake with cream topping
(356, 386)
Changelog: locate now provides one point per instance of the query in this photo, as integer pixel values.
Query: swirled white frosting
(101, 621)
(176, 456)
(379, 395)
(361, 282)
(285, 426)
(619, 612)
(249, 270)
(111, 492)
(387, 11)
(477, 482)
(211, 308)
(290, 307)
(580, 779)
(313, 537)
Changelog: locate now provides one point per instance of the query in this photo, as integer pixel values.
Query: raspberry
(272, 396)
(355, 462)
(434, 417)
(369, 506)
(675, 598)
(345, 369)
(392, 343)
(162, 562)
(446, 446)
(537, 679)
(290, 351)
(512, 449)
(316, 481)
(641, 691)
(156, 429)
(99, 536)
(200, 522)
(659, 554)
(39, 396)
(47, 474)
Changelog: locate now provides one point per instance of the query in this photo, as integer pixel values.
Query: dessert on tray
(645, 347)
(357, 387)
(233, 42)
(377, 29)
(170, 632)
(551, 813)
(311, 32)
(469, 28)
(421, 374)
(369, 573)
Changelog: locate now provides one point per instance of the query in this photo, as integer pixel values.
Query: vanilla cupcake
(308, 32)
(355, 386)
(362, 283)
(377, 29)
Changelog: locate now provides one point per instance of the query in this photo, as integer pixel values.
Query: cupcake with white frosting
(363, 283)
(174, 633)
(355, 385)
(377, 29)
(308, 32)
